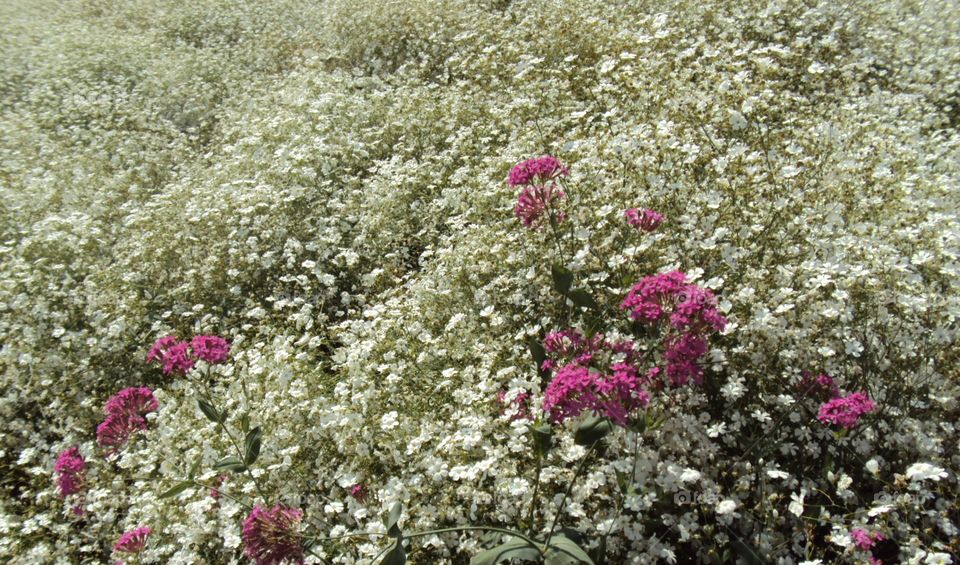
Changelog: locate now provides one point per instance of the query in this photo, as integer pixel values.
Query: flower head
(646, 220)
(846, 411)
(576, 389)
(210, 348)
(177, 359)
(272, 536)
(536, 203)
(537, 171)
(160, 348)
(71, 468)
(126, 413)
(865, 540)
(822, 386)
(133, 541)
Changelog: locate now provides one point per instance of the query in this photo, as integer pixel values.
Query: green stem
(536, 491)
(566, 494)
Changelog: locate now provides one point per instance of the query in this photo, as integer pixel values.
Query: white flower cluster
(325, 185)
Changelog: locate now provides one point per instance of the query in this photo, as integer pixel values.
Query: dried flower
(273, 536)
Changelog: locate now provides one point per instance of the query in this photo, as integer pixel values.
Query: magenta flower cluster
(133, 541)
(578, 387)
(181, 356)
(272, 536)
(540, 195)
(359, 493)
(71, 469)
(646, 220)
(846, 411)
(126, 413)
(692, 314)
(538, 171)
(822, 386)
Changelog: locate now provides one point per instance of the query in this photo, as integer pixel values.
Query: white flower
(389, 421)
(796, 504)
(726, 506)
(938, 559)
(923, 471)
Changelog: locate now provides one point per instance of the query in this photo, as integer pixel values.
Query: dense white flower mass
(327, 186)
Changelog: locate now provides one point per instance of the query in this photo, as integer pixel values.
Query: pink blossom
(126, 413)
(177, 359)
(846, 411)
(647, 299)
(133, 541)
(683, 354)
(575, 389)
(71, 468)
(646, 220)
(865, 540)
(359, 493)
(537, 171)
(160, 347)
(536, 203)
(210, 348)
(273, 536)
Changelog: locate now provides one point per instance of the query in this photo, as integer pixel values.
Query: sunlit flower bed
(454, 282)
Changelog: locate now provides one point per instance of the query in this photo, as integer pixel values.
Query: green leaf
(562, 551)
(516, 548)
(391, 519)
(210, 412)
(562, 278)
(229, 464)
(177, 489)
(194, 468)
(396, 556)
(251, 446)
(591, 430)
(582, 298)
(746, 552)
(542, 438)
(538, 353)
(245, 423)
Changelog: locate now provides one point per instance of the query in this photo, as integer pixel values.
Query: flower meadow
(438, 281)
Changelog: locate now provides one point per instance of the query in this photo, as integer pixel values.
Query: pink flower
(133, 541)
(210, 348)
(865, 540)
(273, 536)
(846, 411)
(646, 220)
(536, 203)
(160, 347)
(647, 299)
(71, 466)
(576, 389)
(126, 413)
(683, 354)
(537, 171)
(177, 359)
(359, 492)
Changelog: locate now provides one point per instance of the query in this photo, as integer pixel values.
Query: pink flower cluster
(576, 389)
(613, 392)
(180, 356)
(646, 220)
(540, 196)
(865, 540)
(126, 413)
(845, 411)
(71, 468)
(272, 536)
(133, 541)
(692, 314)
(538, 171)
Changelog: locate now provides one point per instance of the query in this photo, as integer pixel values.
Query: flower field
(449, 281)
